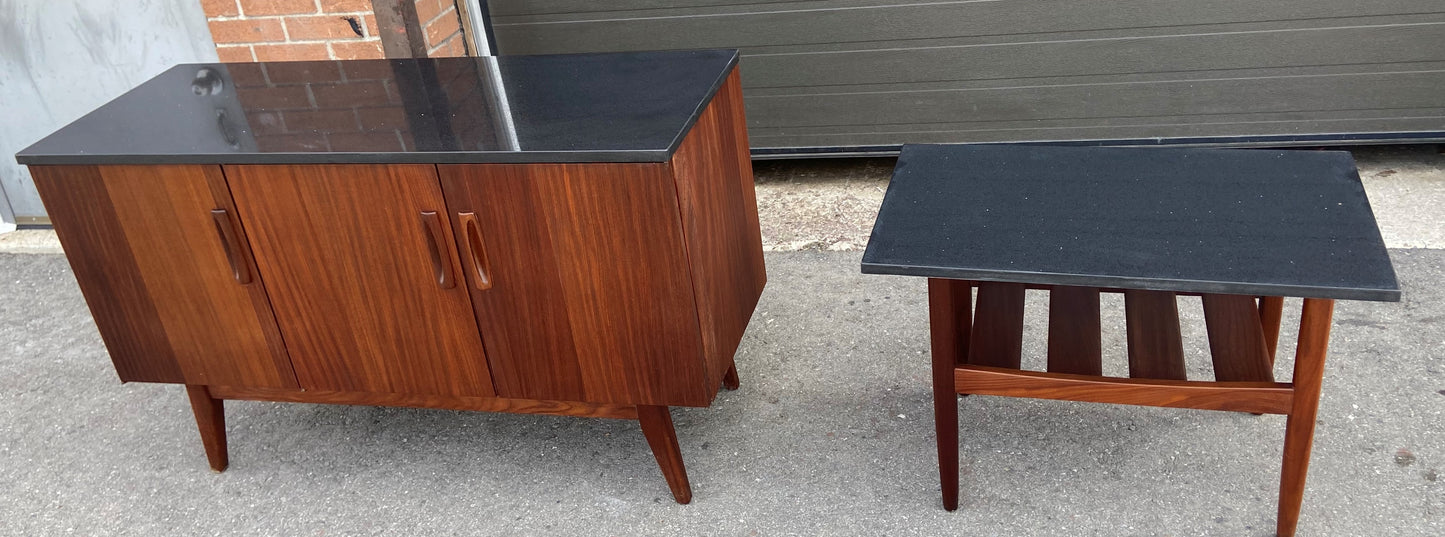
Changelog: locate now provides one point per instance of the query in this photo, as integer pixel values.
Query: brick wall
(442, 26)
(279, 30)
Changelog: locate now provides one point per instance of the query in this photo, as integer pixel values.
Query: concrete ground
(831, 433)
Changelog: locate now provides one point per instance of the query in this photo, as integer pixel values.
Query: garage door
(869, 75)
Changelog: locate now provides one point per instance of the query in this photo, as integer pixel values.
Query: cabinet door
(363, 277)
(579, 277)
(161, 260)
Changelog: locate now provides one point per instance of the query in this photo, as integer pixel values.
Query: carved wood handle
(235, 251)
(441, 259)
(475, 251)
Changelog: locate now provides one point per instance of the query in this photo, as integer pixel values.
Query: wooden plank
(998, 326)
(719, 221)
(1236, 339)
(1257, 397)
(444, 402)
(657, 427)
(1156, 350)
(1075, 331)
(358, 282)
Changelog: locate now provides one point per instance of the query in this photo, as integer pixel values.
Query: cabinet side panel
(355, 277)
(80, 208)
(720, 217)
(221, 331)
(523, 315)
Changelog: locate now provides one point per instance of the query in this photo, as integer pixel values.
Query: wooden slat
(447, 402)
(1075, 332)
(1271, 309)
(1156, 350)
(1236, 339)
(998, 326)
(1258, 397)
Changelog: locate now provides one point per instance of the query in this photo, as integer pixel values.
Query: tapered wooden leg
(211, 420)
(1271, 310)
(657, 427)
(949, 324)
(1309, 369)
(730, 379)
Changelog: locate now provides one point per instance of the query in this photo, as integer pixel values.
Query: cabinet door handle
(235, 252)
(441, 259)
(475, 251)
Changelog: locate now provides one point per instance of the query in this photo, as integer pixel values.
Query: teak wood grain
(1155, 348)
(720, 225)
(351, 268)
(448, 402)
(150, 259)
(210, 413)
(1299, 434)
(1075, 331)
(998, 326)
(1261, 397)
(1271, 311)
(623, 321)
(949, 304)
(657, 427)
(1236, 339)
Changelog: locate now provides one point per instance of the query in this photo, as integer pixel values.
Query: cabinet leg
(657, 427)
(1309, 369)
(211, 420)
(730, 379)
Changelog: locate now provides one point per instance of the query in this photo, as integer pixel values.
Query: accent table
(1241, 229)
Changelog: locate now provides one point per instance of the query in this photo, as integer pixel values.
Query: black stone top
(627, 107)
(1255, 222)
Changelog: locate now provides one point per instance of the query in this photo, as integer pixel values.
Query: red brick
(445, 26)
(365, 141)
(235, 54)
(358, 50)
(247, 74)
(371, 28)
(254, 8)
(276, 97)
(303, 72)
(220, 8)
(333, 120)
(346, 6)
(367, 70)
(247, 31)
(383, 117)
(426, 10)
(311, 141)
(456, 46)
(264, 123)
(292, 51)
(318, 28)
(364, 93)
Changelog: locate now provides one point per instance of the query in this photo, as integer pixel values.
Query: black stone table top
(1254, 222)
(624, 107)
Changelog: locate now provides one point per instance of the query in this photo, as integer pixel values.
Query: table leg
(211, 420)
(662, 438)
(1309, 369)
(948, 319)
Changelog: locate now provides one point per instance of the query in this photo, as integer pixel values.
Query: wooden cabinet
(603, 289)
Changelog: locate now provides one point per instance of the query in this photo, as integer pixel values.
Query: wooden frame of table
(982, 357)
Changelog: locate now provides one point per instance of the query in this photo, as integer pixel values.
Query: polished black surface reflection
(1255, 222)
(622, 107)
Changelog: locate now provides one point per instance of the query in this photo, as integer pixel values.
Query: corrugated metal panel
(855, 73)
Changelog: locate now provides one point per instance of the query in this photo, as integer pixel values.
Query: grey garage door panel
(1094, 101)
(1274, 49)
(776, 24)
(855, 73)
